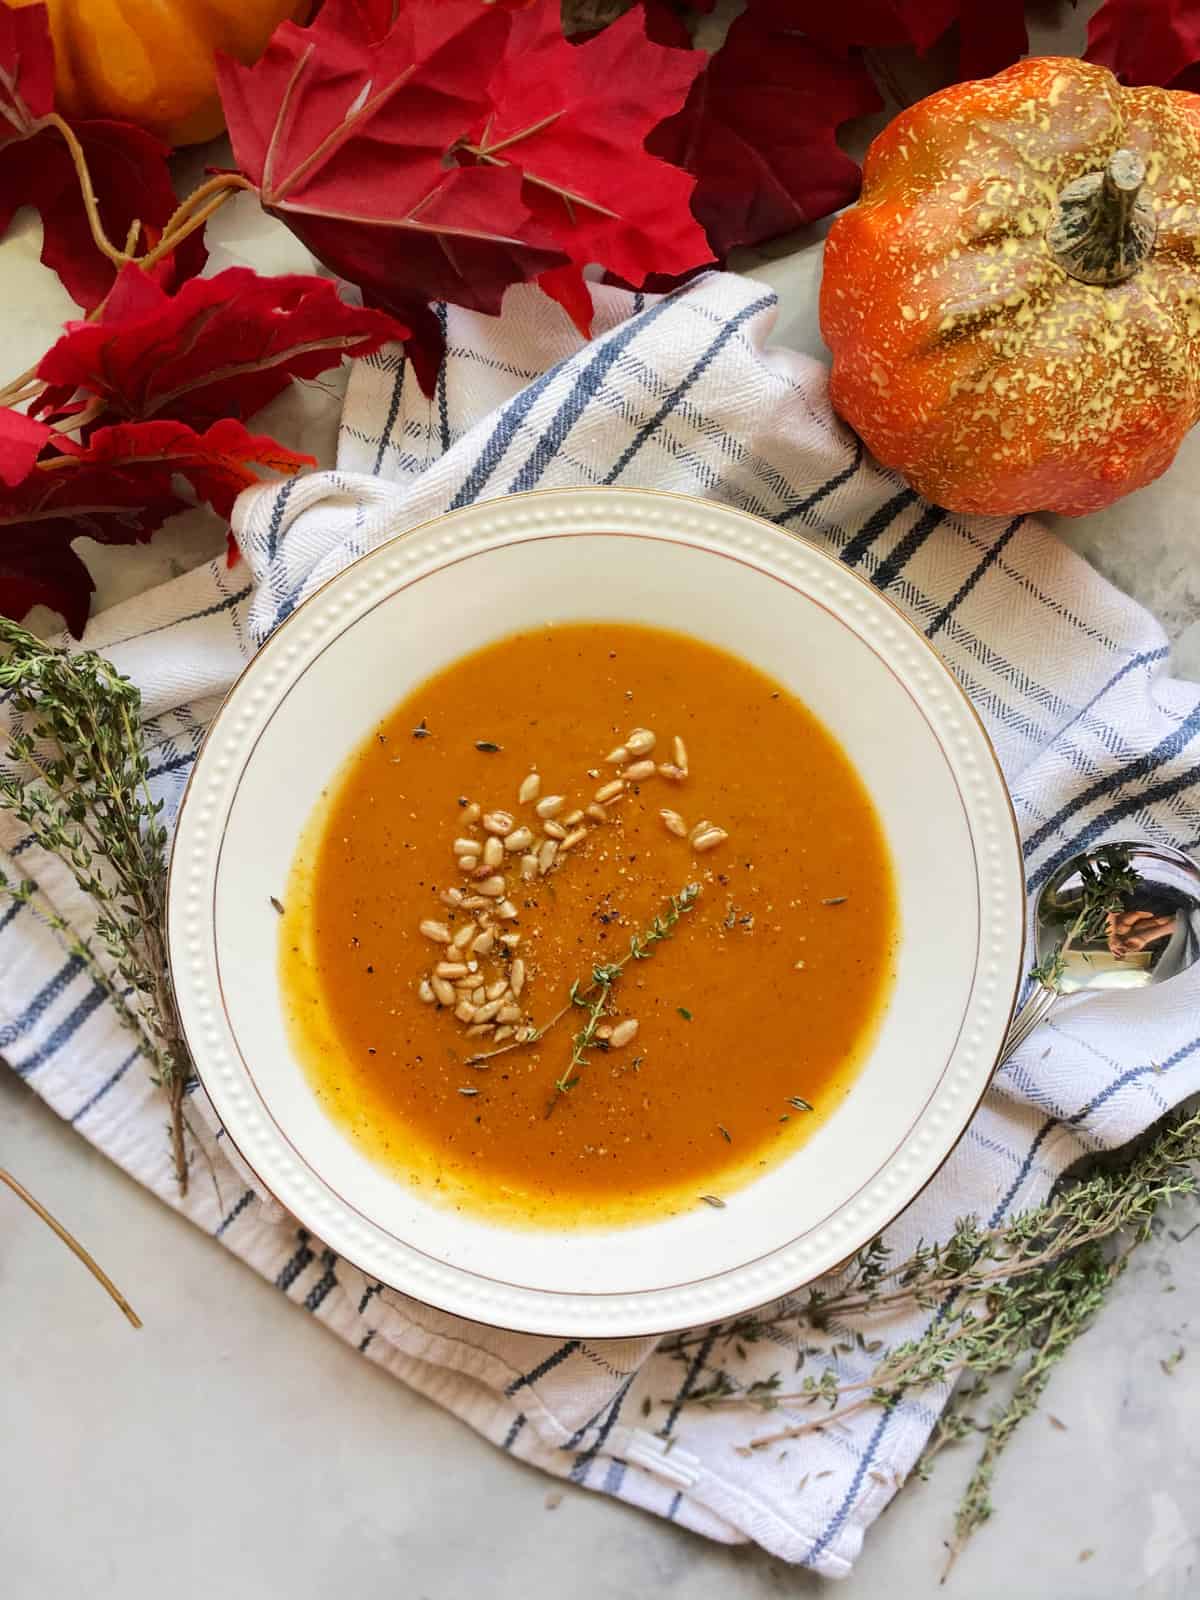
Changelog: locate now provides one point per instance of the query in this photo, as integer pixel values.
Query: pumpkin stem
(1104, 227)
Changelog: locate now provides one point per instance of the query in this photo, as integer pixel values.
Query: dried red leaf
(567, 117)
(1141, 43)
(128, 169)
(117, 489)
(220, 347)
(218, 463)
(21, 442)
(991, 36)
(758, 130)
(345, 134)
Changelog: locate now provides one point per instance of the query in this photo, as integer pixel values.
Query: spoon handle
(1026, 1020)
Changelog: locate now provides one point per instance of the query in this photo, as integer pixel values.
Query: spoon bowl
(1145, 930)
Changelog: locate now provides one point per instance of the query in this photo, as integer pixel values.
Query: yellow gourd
(153, 61)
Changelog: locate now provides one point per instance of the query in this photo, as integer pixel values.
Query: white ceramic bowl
(360, 645)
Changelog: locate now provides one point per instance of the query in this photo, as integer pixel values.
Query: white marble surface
(234, 1448)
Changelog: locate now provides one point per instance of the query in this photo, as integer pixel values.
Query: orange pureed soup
(595, 926)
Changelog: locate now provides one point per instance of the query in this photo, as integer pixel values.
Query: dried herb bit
(647, 1406)
(75, 774)
(487, 746)
(684, 1013)
(725, 1133)
(713, 1200)
(468, 1090)
(799, 1103)
(422, 730)
(276, 905)
(836, 900)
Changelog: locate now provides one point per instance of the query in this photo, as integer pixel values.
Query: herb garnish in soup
(595, 926)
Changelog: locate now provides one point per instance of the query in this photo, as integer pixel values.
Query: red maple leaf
(119, 488)
(128, 169)
(219, 347)
(1157, 44)
(345, 132)
(990, 36)
(758, 130)
(574, 120)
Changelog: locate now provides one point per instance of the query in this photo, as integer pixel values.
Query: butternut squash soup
(596, 925)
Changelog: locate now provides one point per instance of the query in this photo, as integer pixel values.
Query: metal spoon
(1153, 936)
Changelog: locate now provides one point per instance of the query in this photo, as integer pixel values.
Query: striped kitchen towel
(679, 393)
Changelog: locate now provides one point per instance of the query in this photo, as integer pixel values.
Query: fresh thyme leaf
(468, 1089)
(684, 1013)
(725, 1133)
(277, 905)
(75, 774)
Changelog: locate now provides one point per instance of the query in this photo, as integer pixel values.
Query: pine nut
(572, 840)
(679, 751)
(506, 911)
(700, 827)
(487, 1012)
(604, 1031)
(510, 941)
(518, 839)
(554, 830)
(464, 936)
(546, 855)
(497, 990)
(674, 823)
(530, 788)
(516, 976)
(596, 812)
(478, 1029)
(509, 1013)
(609, 791)
(451, 897)
(442, 991)
(477, 995)
(550, 805)
(425, 990)
(493, 851)
(623, 1033)
(470, 813)
(640, 742)
(468, 863)
(572, 819)
(466, 847)
(437, 931)
(709, 840)
(498, 822)
(451, 969)
(617, 757)
(529, 868)
(502, 1033)
(638, 771)
(493, 887)
(465, 1011)
(666, 770)
(483, 944)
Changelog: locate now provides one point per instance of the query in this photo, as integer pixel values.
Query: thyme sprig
(75, 775)
(594, 996)
(1008, 1300)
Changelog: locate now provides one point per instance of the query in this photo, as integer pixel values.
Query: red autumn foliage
(1142, 43)
(127, 167)
(219, 347)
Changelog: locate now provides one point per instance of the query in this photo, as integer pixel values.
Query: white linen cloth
(1096, 742)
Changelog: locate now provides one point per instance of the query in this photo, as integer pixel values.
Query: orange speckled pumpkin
(152, 61)
(1013, 305)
